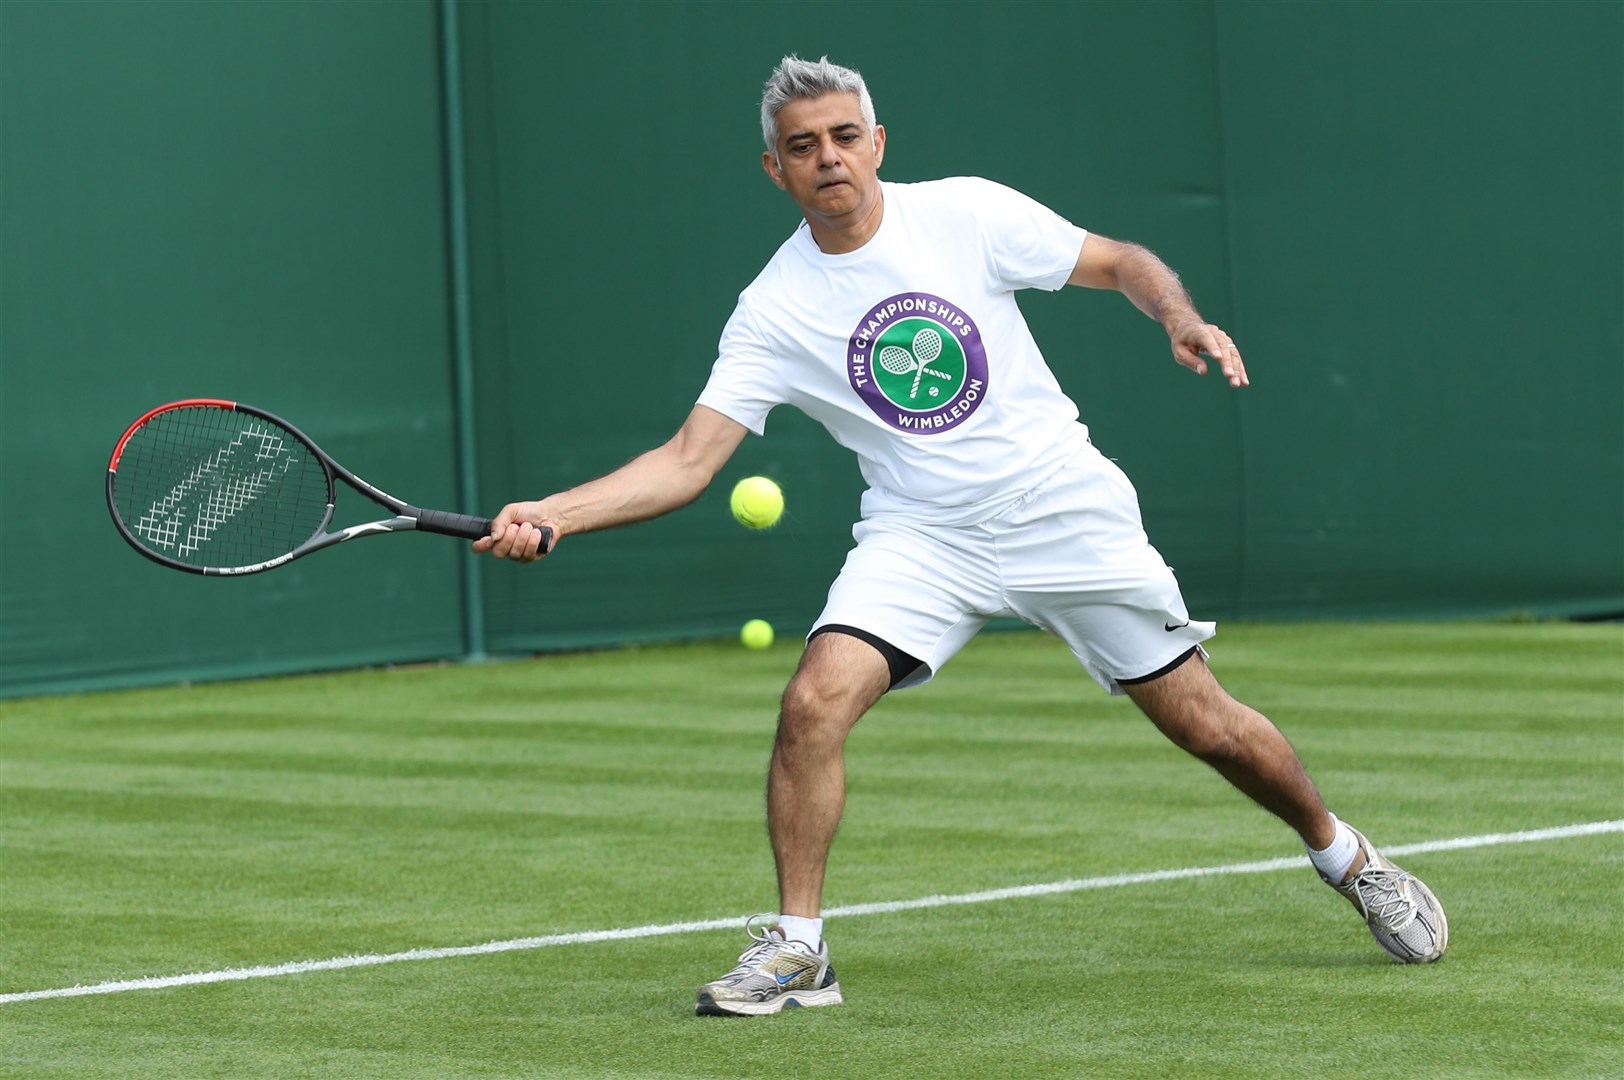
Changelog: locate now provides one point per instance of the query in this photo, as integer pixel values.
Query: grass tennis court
(195, 829)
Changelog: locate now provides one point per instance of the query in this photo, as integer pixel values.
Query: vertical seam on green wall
(1226, 189)
(462, 352)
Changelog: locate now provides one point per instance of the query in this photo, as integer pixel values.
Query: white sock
(1333, 862)
(808, 932)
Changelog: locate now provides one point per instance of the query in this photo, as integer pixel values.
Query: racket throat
(394, 524)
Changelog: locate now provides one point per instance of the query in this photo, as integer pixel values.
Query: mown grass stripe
(341, 963)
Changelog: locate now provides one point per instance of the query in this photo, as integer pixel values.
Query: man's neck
(848, 235)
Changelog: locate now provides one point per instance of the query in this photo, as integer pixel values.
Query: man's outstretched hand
(1192, 339)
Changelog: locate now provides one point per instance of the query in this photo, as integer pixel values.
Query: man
(889, 316)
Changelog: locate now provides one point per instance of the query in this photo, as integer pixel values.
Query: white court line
(339, 963)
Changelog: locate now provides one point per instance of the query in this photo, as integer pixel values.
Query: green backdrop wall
(1410, 215)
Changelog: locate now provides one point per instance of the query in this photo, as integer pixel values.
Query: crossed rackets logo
(912, 351)
(927, 346)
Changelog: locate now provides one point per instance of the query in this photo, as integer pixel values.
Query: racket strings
(208, 486)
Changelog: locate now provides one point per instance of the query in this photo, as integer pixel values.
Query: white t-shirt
(911, 350)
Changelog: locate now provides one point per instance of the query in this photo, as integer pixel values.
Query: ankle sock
(808, 932)
(1333, 862)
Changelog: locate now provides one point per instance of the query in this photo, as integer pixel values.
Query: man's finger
(1234, 367)
(527, 545)
(498, 526)
(1189, 357)
(501, 540)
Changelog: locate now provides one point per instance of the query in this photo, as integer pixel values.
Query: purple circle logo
(918, 362)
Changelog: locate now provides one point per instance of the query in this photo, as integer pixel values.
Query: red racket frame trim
(118, 451)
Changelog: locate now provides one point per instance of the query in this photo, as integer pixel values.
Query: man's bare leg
(1191, 709)
(838, 680)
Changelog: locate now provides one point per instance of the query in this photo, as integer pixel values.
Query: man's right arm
(1155, 289)
(664, 479)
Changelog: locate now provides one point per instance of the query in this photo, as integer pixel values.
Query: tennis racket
(222, 488)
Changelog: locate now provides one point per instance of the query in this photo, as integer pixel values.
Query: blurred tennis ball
(757, 502)
(757, 634)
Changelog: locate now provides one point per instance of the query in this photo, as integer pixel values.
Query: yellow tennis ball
(757, 502)
(757, 634)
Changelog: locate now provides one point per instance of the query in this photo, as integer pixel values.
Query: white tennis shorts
(1069, 556)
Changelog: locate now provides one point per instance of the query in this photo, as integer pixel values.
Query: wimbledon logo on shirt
(918, 362)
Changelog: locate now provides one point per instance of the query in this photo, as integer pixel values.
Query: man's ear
(769, 162)
(879, 145)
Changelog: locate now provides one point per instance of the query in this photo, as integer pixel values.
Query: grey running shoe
(1403, 915)
(773, 973)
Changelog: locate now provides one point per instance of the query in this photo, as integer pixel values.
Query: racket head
(927, 345)
(216, 487)
(896, 360)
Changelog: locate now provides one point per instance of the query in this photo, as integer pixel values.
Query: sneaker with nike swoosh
(773, 973)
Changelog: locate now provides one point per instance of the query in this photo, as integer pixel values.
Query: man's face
(828, 160)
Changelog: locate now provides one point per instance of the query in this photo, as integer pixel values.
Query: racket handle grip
(448, 524)
(469, 528)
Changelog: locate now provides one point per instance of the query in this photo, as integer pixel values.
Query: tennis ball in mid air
(757, 634)
(757, 502)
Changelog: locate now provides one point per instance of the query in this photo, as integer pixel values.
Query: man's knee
(807, 702)
(816, 709)
(839, 678)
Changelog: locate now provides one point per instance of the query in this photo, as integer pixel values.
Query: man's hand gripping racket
(221, 488)
(521, 532)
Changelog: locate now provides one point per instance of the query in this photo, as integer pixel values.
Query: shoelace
(1384, 896)
(753, 955)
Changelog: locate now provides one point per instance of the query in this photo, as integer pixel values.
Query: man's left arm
(1155, 289)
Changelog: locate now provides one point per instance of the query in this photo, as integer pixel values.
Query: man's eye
(848, 138)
